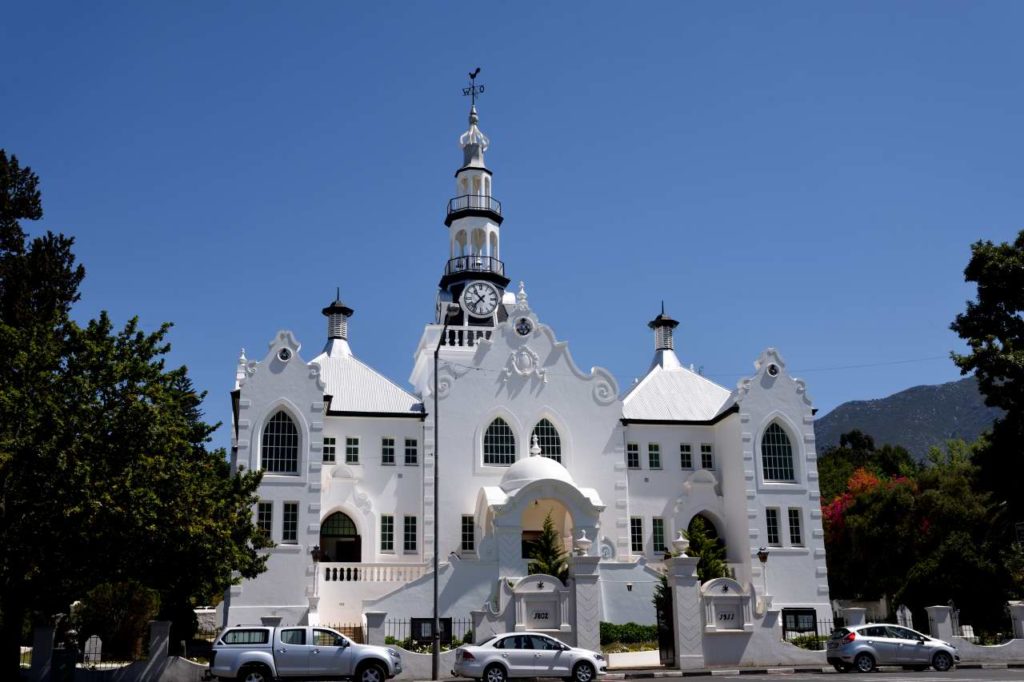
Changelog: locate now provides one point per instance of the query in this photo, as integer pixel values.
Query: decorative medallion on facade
(524, 362)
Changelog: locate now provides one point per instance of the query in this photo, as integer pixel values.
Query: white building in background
(348, 457)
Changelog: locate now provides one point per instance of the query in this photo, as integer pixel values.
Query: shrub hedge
(628, 633)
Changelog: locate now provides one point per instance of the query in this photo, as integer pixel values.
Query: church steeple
(474, 220)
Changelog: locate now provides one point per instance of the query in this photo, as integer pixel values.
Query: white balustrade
(333, 571)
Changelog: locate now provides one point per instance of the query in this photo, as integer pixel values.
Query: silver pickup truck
(260, 653)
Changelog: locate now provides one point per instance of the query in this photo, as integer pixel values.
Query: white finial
(242, 358)
(535, 448)
(681, 544)
(583, 543)
(521, 296)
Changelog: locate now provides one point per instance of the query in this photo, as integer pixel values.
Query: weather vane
(473, 90)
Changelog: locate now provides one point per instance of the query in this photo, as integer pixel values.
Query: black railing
(474, 202)
(474, 264)
(412, 631)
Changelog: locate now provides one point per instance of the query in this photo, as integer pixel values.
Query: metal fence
(353, 631)
(454, 631)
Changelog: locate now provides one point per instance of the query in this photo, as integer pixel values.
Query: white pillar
(686, 611)
(587, 616)
(940, 622)
(1017, 616)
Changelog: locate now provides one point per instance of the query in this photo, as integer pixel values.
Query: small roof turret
(337, 314)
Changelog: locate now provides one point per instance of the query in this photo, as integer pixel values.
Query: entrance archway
(532, 523)
(340, 539)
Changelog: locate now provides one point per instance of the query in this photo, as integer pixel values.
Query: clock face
(480, 299)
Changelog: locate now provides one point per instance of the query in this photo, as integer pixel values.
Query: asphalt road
(926, 676)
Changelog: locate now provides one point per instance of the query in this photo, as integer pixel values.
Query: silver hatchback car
(527, 654)
(862, 647)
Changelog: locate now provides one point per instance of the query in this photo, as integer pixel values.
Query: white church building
(520, 433)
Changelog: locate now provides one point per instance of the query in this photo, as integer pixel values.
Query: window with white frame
(387, 451)
(771, 518)
(653, 456)
(632, 456)
(409, 534)
(279, 453)
(329, 445)
(658, 534)
(707, 456)
(685, 456)
(265, 517)
(777, 455)
(548, 439)
(412, 452)
(290, 526)
(351, 451)
(636, 535)
(468, 534)
(796, 535)
(499, 444)
(387, 533)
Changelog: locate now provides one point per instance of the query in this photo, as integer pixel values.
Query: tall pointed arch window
(548, 439)
(280, 447)
(499, 444)
(777, 455)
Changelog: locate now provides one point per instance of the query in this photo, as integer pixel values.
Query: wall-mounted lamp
(629, 587)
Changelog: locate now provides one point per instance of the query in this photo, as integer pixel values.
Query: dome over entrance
(534, 468)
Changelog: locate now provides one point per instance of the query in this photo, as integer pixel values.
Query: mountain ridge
(916, 418)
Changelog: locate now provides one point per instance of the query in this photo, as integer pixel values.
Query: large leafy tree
(856, 450)
(922, 540)
(993, 327)
(105, 474)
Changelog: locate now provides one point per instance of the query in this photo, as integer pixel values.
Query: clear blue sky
(808, 176)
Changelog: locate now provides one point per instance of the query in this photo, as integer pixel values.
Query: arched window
(548, 440)
(499, 444)
(776, 455)
(280, 451)
(339, 539)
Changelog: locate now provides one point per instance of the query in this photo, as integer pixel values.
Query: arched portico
(578, 511)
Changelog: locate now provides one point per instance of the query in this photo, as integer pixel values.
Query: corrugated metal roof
(675, 394)
(357, 387)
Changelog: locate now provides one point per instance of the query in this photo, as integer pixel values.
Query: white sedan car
(527, 654)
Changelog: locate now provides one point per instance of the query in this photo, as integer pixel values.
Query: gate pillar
(1017, 616)
(940, 622)
(587, 616)
(686, 611)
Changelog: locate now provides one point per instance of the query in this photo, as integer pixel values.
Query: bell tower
(474, 276)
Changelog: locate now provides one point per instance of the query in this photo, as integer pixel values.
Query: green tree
(856, 450)
(547, 555)
(706, 546)
(924, 540)
(105, 474)
(118, 614)
(993, 327)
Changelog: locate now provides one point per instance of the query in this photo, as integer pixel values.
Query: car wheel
(255, 673)
(942, 661)
(864, 663)
(583, 672)
(371, 672)
(495, 673)
(841, 667)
